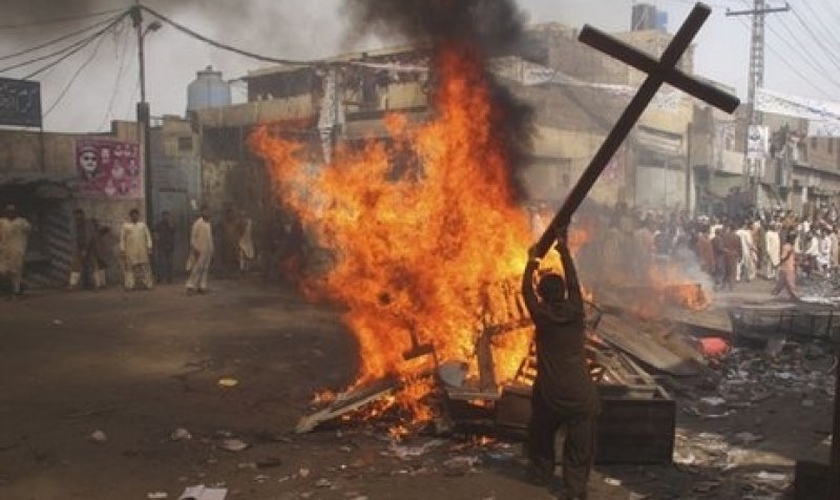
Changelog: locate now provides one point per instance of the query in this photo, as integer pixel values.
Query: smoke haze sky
(107, 86)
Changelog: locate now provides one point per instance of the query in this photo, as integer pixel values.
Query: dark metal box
(631, 430)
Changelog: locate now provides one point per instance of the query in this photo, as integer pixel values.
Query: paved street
(138, 366)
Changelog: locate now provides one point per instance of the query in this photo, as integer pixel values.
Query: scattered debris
(612, 481)
(772, 476)
(228, 382)
(98, 436)
(180, 434)
(460, 465)
(201, 492)
(408, 452)
(233, 445)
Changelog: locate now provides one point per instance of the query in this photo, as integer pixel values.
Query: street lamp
(143, 114)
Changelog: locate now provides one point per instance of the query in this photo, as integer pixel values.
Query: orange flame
(416, 225)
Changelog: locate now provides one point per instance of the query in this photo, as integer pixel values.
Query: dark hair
(551, 286)
(134, 211)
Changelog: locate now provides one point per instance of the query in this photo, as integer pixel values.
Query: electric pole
(752, 167)
(143, 114)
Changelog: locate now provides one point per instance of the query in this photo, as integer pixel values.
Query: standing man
(14, 235)
(719, 250)
(81, 266)
(563, 393)
(733, 253)
(787, 269)
(164, 246)
(705, 251)
(774, 247)
(246, 243)
(136, 247)
(747, 265)
(201, 253)
(100, 253)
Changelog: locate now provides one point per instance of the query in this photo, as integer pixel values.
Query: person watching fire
(563, 393)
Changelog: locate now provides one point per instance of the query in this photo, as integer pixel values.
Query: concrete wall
(824, 153)
(34, 157)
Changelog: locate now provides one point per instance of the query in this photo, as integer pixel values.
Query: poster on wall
(109, 169)
(758, 142)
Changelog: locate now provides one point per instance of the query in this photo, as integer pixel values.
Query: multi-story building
(577, 92)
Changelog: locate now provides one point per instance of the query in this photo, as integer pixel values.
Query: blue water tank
(208, 90)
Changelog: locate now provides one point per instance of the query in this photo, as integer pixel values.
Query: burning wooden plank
(348, 402)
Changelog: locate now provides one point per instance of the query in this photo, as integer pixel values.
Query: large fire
(427, 236)
(418, 224)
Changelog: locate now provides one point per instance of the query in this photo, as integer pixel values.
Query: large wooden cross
(659, 72)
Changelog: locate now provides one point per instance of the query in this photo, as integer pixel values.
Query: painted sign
(109, 169)
(20, 103)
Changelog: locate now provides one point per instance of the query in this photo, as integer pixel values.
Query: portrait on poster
(109, 169)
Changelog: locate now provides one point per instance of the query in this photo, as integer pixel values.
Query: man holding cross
(563, 392)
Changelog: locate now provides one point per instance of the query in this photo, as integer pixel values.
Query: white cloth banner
(532, 74)
(823, 116)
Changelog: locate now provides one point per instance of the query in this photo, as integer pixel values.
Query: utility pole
(143, 114)
(752, 167)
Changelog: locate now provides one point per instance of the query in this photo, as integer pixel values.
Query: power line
(56, 40)
(75, 76)
(757, 45)
(836, 13)
(43, 22)
(827, 51)
(806, 55)
(81, 46)
(827, 32)
(221, 45)
(812, 63)
(120, 73)
(795, 71)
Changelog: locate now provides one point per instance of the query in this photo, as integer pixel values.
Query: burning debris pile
(419, 223)
(427, 229)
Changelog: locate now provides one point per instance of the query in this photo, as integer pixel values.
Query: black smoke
(489, 27)
(491, 24)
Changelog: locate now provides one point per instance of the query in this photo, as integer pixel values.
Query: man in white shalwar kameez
(774, 249)
(135, 248)
(749, 255)
(201, 253)
(14, 235)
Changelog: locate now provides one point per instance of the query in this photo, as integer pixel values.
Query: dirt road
(137, 366)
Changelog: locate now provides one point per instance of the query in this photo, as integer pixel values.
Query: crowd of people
(624, 245)
(776, 245)
(144, 256)
(140, 255)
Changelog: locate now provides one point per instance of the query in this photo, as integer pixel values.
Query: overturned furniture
(636, 425)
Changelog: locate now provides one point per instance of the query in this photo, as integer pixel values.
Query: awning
(39, 184)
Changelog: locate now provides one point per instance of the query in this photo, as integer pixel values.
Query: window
(830, 145)
(814, 143)
(185, 144)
